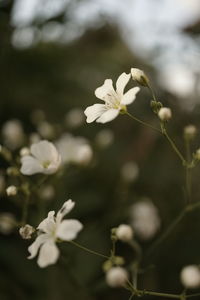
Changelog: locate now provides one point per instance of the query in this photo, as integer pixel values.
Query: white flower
(115, 100)
(190, 276)
(13, 134)
(11, 190)
(45, 159)
(7, 223)
(116, 277)
(51, 229)
(124, 233)
(74, 149)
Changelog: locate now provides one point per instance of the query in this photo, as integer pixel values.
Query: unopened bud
(139, 76)
(190, 132)
(24, 151)
(124, 233)
(11, 190)
(197, 154)
(12, 171)
(26, 231)
(190, 276)
(7, 223)
(117, 277)
(165, 114)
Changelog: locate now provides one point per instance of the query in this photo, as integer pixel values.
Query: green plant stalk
(88, 250)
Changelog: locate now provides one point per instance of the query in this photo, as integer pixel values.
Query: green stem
(142, 122)
(25, 210)
(184, 162)
(188, 175)
(88, 250)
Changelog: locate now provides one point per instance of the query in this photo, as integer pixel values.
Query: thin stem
(25, 210)
(188, 175)
(142, 122)
(166, 295)
(174, 147)
(192, 295)
(88, 250)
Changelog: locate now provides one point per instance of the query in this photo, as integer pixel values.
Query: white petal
(94, 111)
(69, 229)
(65, 209)
(130, 96)
(48, 224)
(122, 82)
(48, 255)
(44, 151)
(34, 247)
(108, 116)
(105, 89)
(30, 166)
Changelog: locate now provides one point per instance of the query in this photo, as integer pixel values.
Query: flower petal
(105, 89)
(45, 151)
(108, 116)
(65, 209)
(48, 255)
(34, 247)
(69, 229)
(48, 224)
(130, 96)
(30, 165)
(122, 82)
(94, 111)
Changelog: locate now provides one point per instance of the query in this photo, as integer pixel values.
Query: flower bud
(165, 114)
(24, 151)
(116, 277)
(26, 231)
(197, 154)
(129, 171)
(124, 233)
(12, 171)
(190, 276)
(190, 132)
(75, 118)
(11, 190)
(139, 76)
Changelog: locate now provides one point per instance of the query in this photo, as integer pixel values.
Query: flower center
(46, 164)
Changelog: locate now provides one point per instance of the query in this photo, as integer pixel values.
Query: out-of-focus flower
(45, 159)
(34, 137)
(145, 219)
(11, 190)
(139, 76)
(165, 114)
(2, 183)
(74, 118)
(116, 277)
(50, 230)
(24, 151)
(47, 192)
(124, 233)
(189, 132)
(26, 231)
(104, 138)
(37, 116)
(46, 130)
(7, 223)
(129, 171)
(190, 276)
(75, 150)
(13, 134)
(115, 100)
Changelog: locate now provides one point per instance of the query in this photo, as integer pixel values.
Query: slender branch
(25, 210)
(142, 122)
(88, 250)
(188, 175)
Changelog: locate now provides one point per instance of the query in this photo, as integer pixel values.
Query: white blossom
(51, 229)
(13, 134)
(116, 277)
(190, 132)
(44, 159)
(114, 100)
(11, 190)
(139, 76)
(7, 223)
(124, 232)
(145, 219)
(190, 276)
(75, 150)
(26, 231)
